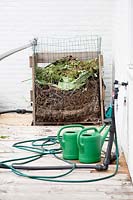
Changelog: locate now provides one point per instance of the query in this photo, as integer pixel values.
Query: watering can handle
(68, 126)
(82, 131)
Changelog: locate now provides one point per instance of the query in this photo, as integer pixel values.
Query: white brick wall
(21, 21)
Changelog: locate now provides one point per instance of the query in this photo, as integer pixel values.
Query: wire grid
(91, 44)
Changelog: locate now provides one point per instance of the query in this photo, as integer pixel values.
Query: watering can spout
(103, 137)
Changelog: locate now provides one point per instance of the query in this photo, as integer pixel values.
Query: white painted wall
(123, 59)
(130, 124)
(21, 21)
(130, 94)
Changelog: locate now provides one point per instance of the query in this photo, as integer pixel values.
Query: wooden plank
(66, 123)
(14, 119)
(52, 56)
(33, 87)
(119, 187)
(31, 95)
(101, 60)
(52, 194)
(31, 61)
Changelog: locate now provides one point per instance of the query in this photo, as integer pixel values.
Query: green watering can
(68, 141)
(90, 144)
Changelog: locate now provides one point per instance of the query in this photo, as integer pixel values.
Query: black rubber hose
(53, 167)
(108, 158)
(19, 111)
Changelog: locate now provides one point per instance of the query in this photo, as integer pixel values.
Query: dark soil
(57, 106)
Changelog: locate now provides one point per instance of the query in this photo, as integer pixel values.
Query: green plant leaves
(67, 73)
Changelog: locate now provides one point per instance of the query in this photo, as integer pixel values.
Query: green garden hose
(44, 151)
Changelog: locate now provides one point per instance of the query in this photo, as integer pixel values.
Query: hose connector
(101, 167)
(23, 111)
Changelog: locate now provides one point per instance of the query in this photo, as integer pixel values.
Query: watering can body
(90, 143)
(68, 141)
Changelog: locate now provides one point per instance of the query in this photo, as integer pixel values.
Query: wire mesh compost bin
(67, 81)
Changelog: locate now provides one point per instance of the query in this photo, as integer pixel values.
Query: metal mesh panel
(85, 46)
(77, 43)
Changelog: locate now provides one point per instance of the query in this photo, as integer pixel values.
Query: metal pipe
(13, 51)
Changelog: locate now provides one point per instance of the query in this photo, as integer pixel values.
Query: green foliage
(4, 137)
(67, 73)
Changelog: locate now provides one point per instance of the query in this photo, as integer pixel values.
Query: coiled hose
(42, 150)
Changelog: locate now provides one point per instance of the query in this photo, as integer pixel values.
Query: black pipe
(108, 158)
(19, 111)
(51, 167)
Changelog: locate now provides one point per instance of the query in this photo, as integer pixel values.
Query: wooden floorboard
(13, 187)
(13, 119)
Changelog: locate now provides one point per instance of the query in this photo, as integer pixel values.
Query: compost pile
(67, 90)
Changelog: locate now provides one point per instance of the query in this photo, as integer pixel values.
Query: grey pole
(13, 51)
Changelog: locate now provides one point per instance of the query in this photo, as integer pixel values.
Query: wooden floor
(15, 128)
